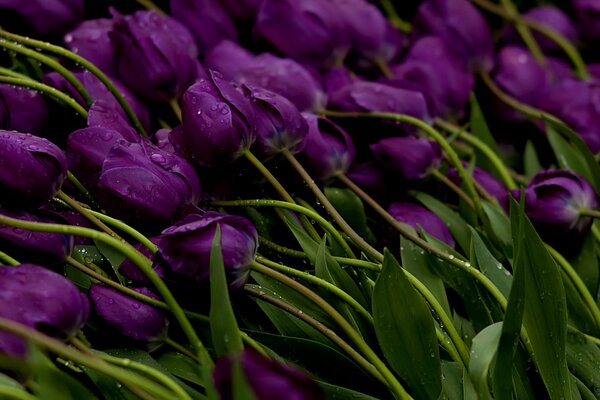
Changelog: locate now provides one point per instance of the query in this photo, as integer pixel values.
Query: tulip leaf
(223, 325)
(583, 358)
(114, 257)
(531, 162)
(490, 266)
(483, 353)
(351, 208)
(545, 308)
(497, 228)
(333, 392)
(405, 330)
(180, 366)
(480, 129)
(568, 157)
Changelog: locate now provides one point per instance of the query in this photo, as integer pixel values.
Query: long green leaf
(483, 352)
(351, 208)
(490, 266)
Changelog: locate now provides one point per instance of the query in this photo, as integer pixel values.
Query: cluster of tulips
(299, 199)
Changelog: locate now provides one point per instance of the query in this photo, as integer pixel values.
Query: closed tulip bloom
(141, 182)
(418, 216)
(268, 379)
(228, 58)
(328, 149)
(309, 31)
(409, 157)
(519, 74)
(207, 20)
(217, 122)
(279, 124)
(368, 176)
(587, 16)
(156, 55)
(487, 181)
(131, 271)
(30, 246)
(553, 201)
(91, 40)
(32, 169)
(241, 9)
(40, 299)
(461, 26)
(130, 317)
(185, 246)
(26, 110)
(45, 17)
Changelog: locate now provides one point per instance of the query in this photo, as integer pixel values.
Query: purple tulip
(32, 169)
(207, 20)
(218, 122)
(4, 114)
(550, 16)
(409, 157)
(131, 271)
(553, 201)
(45, 17)
(185, 247)
(487, 181)
(241, 9)
(279, 124)
(130, 317)
(418, 216)
(30, 246)
(268, 379)
(141, 182)
(368, 176)
(156, 55)
(461, 26)
(161, 138)
(337, 78)
(587, 16)
(431, 69)
(309, 31)
(91, 40)
(26, 110)
(229, 58)
(40, 299)
(328, 149)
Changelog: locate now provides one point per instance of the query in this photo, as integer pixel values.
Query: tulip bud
(41, 299)
(553, 201)
(130, 317)
(185, 247)
(328, 149)
(156, 55)
(410, 157)
(217, 122)
(368, 176)
(268, 379)
(26, 110)
(45, 17)
(32, 169)
(418, 216)
(131, 271)
(228, 58)
(91, 40)
(279, 124)
(141, 182)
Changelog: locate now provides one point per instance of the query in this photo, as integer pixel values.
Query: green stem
(53, 64)
(323, 284)
(102, 77)
(149, 4)
(452, 186)
(253, 344)
(48, 90)
(491, 155)
(394, 18)
(180, 348)
(14, 74)
(590, 213)
(434, 134)
(447, 345)
(87, 214)
(79, 186)
(290, 206)
(356, 338)
(8, 259)
(358, 263)
(280, 249)
(525, 34)
(7, 392)
(176, 108)
(94, 363)
(135, 256)
(327, 332)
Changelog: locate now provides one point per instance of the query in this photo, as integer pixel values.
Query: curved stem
(280, 249)
(150, 5)
(7, 392)
(484, 148)
(323, 284)
(448, 346)
(87, 214)
(79, 186)
(290, 206)
(358, 263)
(14, 74)
(68, 75)
(48, 90)
(590, 213)
(525, 34)
(369, 354)
(136, 257)
(394, 18)
(8, 259)
(102, 77)
(452, 186)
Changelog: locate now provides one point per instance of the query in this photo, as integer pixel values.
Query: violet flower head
(553, 18)
(91, 40)
(131, 271)
(461, 26)
(45, 17)
(32, 169)
(487, 181)
(268, 379)
(309, 31)
(217, 122)
(279, 124)
(27, 110)
(553, 201)
(416, 215)
(368, 176)
(41, 299)
(328, 149)
(241, 9)
(431, 69)
(207, 20)
(30, 246)
(409, 157)
(185, 246)
(156, 55)
(143, 183)
(228, 58)
(587, 18)
(130, 317)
